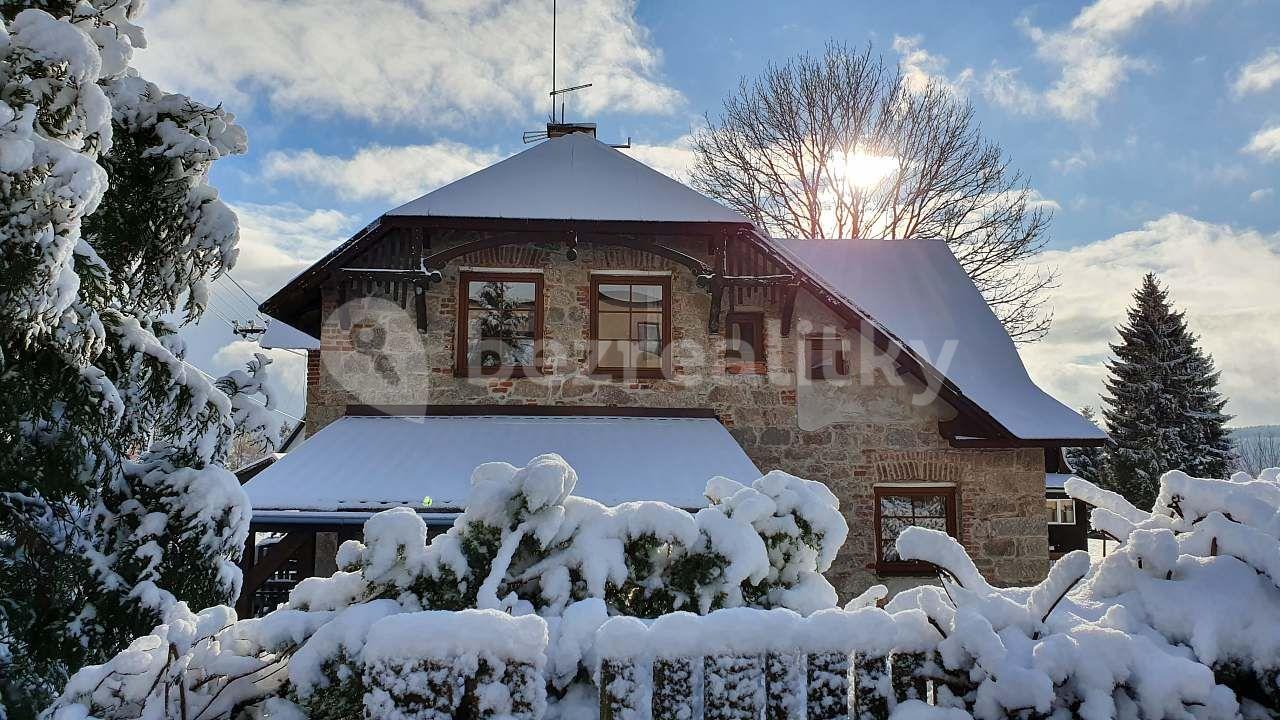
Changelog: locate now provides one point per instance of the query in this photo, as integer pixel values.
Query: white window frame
(1058, 504)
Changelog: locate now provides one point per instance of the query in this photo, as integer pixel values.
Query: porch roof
(369, 463)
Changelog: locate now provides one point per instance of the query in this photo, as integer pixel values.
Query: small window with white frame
(1062, 511)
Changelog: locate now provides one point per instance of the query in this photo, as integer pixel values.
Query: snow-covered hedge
(1180, 622)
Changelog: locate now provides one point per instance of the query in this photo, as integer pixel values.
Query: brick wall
(850, 435)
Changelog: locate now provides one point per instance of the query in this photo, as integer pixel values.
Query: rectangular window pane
(1051, 507)
(1068, 512)
(613, 353)
(611, 326)
(614, 297)
(646, 326)
(648, 354)
(646, 297)
(895, 505)
(495, 294)
(898, 512)
(500, 323)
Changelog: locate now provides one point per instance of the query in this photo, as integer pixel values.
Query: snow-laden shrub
(362, 639)
(1201, 569)
(1180, 621)
(526, 544)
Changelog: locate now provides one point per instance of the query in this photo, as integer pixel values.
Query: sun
(863, 170)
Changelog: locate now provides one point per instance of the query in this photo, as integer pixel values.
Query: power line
(232, 298)
(249, 397)
(252, 299)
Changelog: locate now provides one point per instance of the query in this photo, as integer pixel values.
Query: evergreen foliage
(1088, 462)
(114, 502)
(1163, 409)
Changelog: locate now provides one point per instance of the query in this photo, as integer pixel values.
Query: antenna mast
(554, 12)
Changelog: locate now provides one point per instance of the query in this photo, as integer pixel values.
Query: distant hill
(1255, 431)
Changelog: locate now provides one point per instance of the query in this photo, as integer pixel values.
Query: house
(572, 299)
(1068, 517)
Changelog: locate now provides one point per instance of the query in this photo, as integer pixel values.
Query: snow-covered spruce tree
(1163, 409)
(1088, 462)
(112, 498)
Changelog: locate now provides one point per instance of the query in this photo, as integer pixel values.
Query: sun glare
(863, 170)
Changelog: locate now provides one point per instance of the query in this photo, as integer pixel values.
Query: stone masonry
(852, 435)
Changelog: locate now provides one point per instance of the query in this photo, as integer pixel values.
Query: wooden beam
(264, 567)
(528, 411)
(420, 306)
(789, 308)
(244, 603)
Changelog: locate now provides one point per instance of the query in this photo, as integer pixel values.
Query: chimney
(560, 129)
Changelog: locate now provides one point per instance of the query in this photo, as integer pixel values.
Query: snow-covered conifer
(1088, 462)
(112, 492)
(1163, 409)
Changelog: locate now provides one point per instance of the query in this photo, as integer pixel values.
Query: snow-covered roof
(362, 463)
(283, 336)
(916, 292)
(572, 177)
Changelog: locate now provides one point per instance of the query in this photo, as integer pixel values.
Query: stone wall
(878, 428)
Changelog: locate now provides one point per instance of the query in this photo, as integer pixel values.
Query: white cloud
(1074, 161)
(1223, 277)
(1003, 87)
(674, 159)
(919, 66)
(1090, 62)
(378, 172)
(1261, 194)
(1259, 75)
(279, 241)
(409, 62)
(1265, 143)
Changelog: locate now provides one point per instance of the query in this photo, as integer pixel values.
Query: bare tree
(1255, 453)
(840, 146)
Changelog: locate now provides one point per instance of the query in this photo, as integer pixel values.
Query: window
(630, 324)
(744, 342)
(499, 323)
(826, 358)
(1061, 511)
(900, 508)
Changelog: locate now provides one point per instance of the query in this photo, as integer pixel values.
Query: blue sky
(1152, 126)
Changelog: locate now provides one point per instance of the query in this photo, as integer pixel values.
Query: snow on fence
(732, 664)
(1179, 622)
(740, 663)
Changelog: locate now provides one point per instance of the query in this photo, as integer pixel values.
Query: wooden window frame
(1058, 503)
(465, 278)
(738, 366)
(911, 567)
(842, 356)
(664, 281)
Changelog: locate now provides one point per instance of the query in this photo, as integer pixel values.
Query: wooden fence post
(732, 687)
(909, 681)
(673, 689)
(828, 686)
(619, 689)
(783, 687)
(871, 673)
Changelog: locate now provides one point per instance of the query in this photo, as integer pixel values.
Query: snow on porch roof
(363, 463)
(572, 177)
(916, 291)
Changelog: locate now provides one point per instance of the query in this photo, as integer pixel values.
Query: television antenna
(556, 128)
